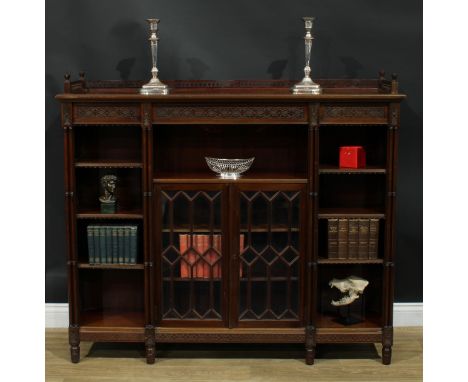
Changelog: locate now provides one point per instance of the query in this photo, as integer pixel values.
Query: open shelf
(127, 191)
(322, 260)
(108, 144)
(110, 266)
(328, 321)
(334, 169)
(280, 151)
(108, 164)
(112, 319)
(209, 177)
(93, 214)
(327, 213)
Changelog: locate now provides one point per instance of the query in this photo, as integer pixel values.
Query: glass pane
(191, 262)
(270, 259)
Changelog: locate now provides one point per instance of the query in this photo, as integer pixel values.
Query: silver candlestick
(307, 86)
(154, 86)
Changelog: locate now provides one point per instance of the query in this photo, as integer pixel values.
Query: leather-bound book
(205, 263)
(133, 244)
(90, 235)
(353, 238)
(363, 238)
(200, 248)
(115, 244)
(373, 238)
(217, 267)
(126, 244)
(184, 266)
(121, 245)
(343, 238)
(108, 244)
(102, 245)
(332, 238)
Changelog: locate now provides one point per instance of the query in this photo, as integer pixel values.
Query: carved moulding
(109, 112)
(291, 112)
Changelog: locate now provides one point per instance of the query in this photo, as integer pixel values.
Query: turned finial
(82, 75)
(66, 83)
(394, 83)
(381, 74)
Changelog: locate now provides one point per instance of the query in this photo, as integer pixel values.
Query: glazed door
(267, 254)
(191, 261)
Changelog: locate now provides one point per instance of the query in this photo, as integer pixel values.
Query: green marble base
(108, 208)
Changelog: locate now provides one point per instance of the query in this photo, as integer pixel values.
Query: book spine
(126, 243)
(363, 250)
(108, 244)
(353, 239)
(200, 249)
(342, 238)
(373, 238)
(133, 244)
(102, 244)
(332, 238)
(90, 235)
(121, 245)
(215, 256)
(192, 257)
(97, 247)
(115, 244)
(184, 266)
(208, 250)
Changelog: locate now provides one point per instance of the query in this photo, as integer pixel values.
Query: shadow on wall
(276, 69)
(198, 68)
(352, 67)
(127, 36)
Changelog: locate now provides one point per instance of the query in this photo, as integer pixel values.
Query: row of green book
(353, 238)
(112, 244)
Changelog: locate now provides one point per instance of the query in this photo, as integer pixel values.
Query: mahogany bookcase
(267, 280)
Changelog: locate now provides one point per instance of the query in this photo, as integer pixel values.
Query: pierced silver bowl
(229, 168)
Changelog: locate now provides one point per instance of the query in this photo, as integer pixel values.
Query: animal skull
(352, 285)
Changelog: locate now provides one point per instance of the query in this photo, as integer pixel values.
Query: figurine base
(306, 88)
(348, 320)
(107, 208)
(154, 87)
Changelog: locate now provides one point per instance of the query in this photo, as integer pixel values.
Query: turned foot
(74, 341)
(310, 356)
(386, 355)
(150, 354)
(75, 353)
(150, 344)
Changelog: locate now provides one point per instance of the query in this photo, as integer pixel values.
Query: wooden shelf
(119, 215)
(110, 266)
(188, 279)
(349, 261)
(107, 164)
(103, 318)
(331, 169)
(218, 230)
(328, 213)
(242, 279)
(328, 321)
(209, 177)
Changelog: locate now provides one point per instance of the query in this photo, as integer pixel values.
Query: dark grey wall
(215, 39)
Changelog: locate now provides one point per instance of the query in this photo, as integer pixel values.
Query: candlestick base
(154, 87)
(307, 86)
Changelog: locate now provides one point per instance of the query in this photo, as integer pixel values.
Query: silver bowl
(229, 168)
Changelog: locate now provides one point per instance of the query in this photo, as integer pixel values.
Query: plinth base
(154, 87)
(108, 208)
(306, 88)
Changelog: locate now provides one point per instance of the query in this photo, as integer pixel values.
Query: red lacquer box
(352, 157)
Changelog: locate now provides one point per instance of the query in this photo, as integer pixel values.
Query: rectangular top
(199, 90)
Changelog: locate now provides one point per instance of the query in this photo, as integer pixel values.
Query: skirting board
(404, 314)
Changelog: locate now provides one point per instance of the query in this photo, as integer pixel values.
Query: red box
(352, 157)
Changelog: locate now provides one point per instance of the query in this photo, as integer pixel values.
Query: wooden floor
(204, 363)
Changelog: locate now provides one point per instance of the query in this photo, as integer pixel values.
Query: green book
(126, 244)
(133, 244)
(108, 244)
(90, 234)
(121, 244)
(97, 248)
(115, 245)
(102, 245)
